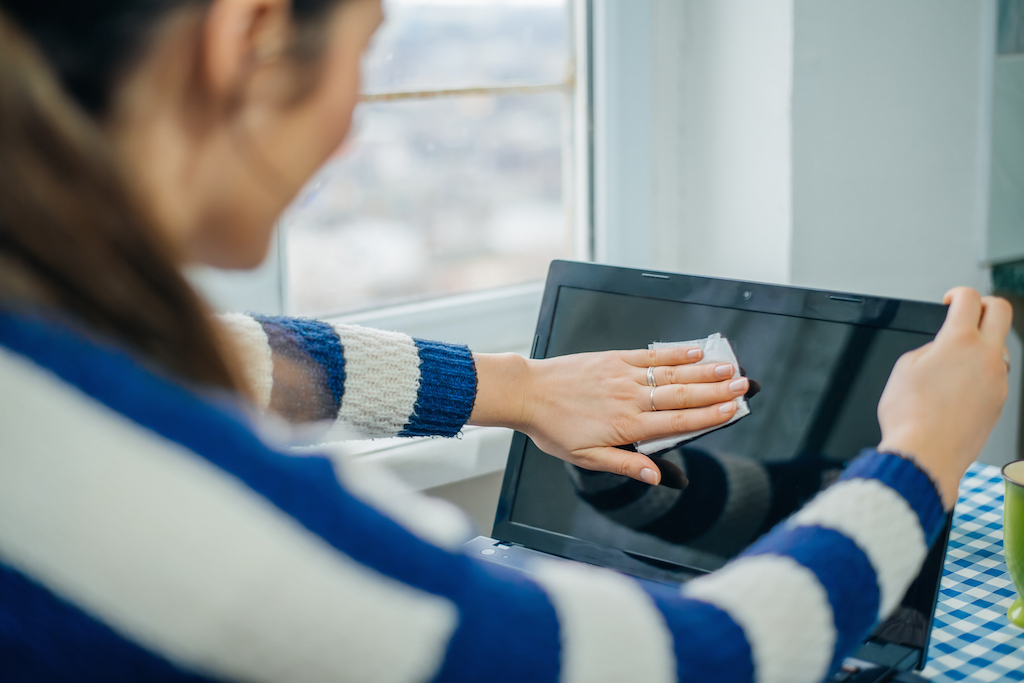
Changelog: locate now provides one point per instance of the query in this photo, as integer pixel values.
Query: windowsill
(428, 462)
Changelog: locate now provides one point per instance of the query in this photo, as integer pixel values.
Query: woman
(148, 532)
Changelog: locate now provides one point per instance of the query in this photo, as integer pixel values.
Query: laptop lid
(822, 360)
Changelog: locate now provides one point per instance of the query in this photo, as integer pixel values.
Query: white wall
(840, 144)
(722, 94)
(622, 130)
(890, 144)
(691, 127)
(1006, 205)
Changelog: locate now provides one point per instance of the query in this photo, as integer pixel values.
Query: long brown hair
(70, 230)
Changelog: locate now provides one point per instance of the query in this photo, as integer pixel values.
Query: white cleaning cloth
(717, 350)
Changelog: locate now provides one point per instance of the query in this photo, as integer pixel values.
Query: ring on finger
(652, 399)
(1006, 359)
(651, 382)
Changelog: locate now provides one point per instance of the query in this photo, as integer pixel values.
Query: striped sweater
(147, 532)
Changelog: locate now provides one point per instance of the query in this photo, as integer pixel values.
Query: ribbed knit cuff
(447, 390)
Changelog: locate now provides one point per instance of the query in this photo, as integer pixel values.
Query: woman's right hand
(943, 399)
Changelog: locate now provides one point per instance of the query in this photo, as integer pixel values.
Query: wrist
(502, 381)
(942, 472)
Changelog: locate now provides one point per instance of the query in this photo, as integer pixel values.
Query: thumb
(964, 311)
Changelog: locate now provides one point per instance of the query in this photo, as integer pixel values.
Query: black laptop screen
(820, 384)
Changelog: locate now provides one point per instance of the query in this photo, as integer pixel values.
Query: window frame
(493, 320)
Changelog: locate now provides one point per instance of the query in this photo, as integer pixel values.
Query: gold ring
(650, 377)
(652, 400)
(1006, 359)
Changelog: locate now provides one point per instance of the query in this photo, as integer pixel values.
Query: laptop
(821, 359)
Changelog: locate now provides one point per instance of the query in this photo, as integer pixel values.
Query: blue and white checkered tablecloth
(972, 640)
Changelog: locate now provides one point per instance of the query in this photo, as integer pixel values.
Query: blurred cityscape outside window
(456, 176)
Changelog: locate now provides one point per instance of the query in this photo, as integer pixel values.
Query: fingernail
(649, 476)
(738, 385)
(693, 354)
(726, 408)
(724, 370)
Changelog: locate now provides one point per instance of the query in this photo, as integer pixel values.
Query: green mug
(1013, 535)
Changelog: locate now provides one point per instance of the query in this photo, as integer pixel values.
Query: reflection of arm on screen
(728, 503)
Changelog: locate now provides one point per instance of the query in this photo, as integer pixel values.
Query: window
(458, 173)
(492, 74)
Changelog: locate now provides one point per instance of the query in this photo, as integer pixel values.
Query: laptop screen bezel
(841, 307)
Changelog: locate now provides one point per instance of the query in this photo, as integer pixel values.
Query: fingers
(988, 316)
(688, 374)
(964, 311)
(679, 396)
(665, 423)
(675, 355)
(996, 318)
(617, 461)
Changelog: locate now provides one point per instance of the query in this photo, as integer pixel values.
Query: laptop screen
(820, 383)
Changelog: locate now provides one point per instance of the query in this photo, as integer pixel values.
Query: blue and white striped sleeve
(154, 536)
(379, 383)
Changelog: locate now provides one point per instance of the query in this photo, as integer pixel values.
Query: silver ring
(652, 400)
(1006, 359)
(650, 377)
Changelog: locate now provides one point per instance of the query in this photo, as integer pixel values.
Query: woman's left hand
(579, 407)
